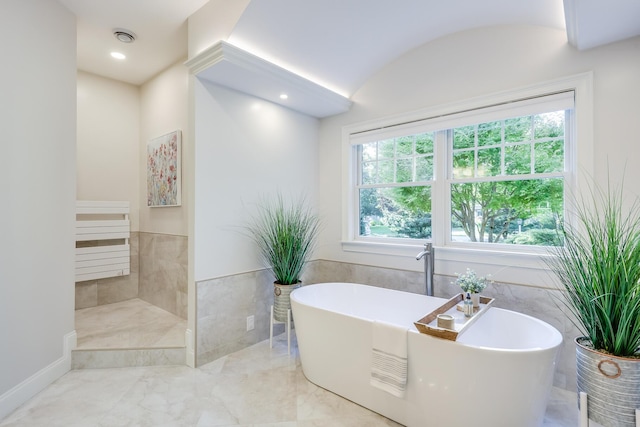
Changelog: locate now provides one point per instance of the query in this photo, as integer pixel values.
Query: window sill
(523, 268)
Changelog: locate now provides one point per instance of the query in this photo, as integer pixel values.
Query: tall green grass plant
(286, 235)
(599, 271)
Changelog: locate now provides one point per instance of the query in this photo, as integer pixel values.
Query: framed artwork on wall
(164, 172)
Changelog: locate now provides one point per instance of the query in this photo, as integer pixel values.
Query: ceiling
(337, 44)
(160, 27)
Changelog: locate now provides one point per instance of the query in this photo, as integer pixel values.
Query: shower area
(131, 303)
(135, 316)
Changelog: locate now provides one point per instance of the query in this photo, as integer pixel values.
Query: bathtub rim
(555, 342)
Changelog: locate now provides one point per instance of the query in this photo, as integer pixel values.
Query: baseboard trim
(28, 388)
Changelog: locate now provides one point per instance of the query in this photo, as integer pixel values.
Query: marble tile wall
(223, 305)
(163, 272)
(331, 271)
(93, 293)
(158, 276)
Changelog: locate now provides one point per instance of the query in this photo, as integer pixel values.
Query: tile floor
(128, 324)
(257, 386)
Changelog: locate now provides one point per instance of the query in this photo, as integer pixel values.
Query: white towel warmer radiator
(106, 225)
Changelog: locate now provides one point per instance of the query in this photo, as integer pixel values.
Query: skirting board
(28, 388)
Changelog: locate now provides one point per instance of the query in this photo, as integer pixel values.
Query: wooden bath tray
(428, 324)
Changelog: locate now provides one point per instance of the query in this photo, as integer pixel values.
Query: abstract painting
(164, 171)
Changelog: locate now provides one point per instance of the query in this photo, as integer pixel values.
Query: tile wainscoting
(223, 305)
(163, 272)
(93, 293)
(158, 276)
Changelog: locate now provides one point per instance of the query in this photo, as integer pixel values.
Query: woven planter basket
(612, 385)
(281, 300)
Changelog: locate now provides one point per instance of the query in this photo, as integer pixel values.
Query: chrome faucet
(429, 259)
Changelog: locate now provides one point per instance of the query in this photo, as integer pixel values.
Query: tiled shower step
(121, 358)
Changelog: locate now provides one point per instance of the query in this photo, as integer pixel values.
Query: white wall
(482, 62)
(245, 149)
(108, 156)
(38, 114)
(164, 106)
(115, 122)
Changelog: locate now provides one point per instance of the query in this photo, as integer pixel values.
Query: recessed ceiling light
(125, 36)
(118, 55)
(284, 96)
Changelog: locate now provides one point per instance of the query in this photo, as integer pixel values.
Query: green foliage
(487, 211)
(501, 205)
(599, 271)
(471, 282)
(405, 224)
(403, 211)
(540, 237)
(286, 236)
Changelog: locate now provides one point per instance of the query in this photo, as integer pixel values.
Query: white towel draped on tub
(389, 358)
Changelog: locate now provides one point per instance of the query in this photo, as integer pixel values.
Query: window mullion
(476, 153)
(440, 195)
(503, 149)
(414, 160)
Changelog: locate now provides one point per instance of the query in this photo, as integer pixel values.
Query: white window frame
(504, 262)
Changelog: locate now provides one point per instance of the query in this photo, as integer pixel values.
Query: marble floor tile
(128, 324)
(562, 409)
(254, 387)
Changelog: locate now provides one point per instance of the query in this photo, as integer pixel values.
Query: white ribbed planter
(611, 383)
(281, 300)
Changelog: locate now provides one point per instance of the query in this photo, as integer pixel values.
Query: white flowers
(470, 282)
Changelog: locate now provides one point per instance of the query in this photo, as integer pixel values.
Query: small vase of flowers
(472, 283)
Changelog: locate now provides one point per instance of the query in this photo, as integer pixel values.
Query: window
(494, 175)
(507, 180)
(395, 178)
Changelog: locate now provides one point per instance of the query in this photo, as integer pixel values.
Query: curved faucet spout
(429, 260)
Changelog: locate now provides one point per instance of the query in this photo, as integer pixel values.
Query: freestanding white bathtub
(497, 374)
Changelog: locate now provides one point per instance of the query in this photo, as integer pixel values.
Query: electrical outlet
(250, 323)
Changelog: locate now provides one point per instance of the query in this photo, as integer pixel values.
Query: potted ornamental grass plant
(472, 283)
(285, 234)
(598, 269)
